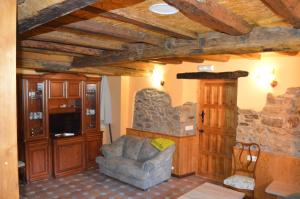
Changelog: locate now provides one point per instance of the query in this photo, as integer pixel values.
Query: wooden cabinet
(69, 155)
(57, 89)
(37, 160)
(185, 155)
(74, 89)
(39, 96)
(61, 89)
(93, 145)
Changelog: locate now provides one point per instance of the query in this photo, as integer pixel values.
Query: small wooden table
(211, 191)
(281, 189)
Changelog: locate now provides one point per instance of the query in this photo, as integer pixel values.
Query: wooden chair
(243, 178)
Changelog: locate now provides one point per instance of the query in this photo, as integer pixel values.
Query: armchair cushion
(240, 182)
(132, 147)
(147, 151)
(159, 159)
(115, 149)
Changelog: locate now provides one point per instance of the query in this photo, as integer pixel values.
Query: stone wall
(277, 127)
(153, 111)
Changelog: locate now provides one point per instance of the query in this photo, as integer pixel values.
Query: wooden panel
(37, 160)
(74, 89)
(217, 99)
(93, 145)
(8, 125)
(57, 89)
(69, 156)
(185, 156)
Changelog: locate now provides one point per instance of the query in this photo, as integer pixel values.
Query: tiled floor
(91, 184)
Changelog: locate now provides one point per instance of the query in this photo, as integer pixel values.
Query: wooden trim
(8, 134)
(209, 75)
(164, 134)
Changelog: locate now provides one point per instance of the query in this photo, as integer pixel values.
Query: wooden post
(8, 124)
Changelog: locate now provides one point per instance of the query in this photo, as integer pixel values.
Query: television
(65, 123)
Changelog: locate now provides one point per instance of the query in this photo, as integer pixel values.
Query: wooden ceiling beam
(289, 53)
(146, 26)
(212, 15)
(217, 58)
(78, 38)
(106, 29)
(288, 9)
(41, 65)
(254, 56)
(258, 40)
(54, 10)
(60, 47)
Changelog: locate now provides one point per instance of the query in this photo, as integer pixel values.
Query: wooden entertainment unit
(47, 154)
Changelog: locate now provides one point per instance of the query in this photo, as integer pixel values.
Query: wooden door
(37, 160)
(57, 89)
(218, 106)
(74, 89)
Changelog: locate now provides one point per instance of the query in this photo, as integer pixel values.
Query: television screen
(65, 123)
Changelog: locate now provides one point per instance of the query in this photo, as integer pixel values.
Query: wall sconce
(157, 77)
(265, 77)
(274, 83)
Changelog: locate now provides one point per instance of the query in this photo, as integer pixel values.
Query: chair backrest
(244, 160)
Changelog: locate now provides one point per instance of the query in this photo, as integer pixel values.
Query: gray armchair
(135, 161)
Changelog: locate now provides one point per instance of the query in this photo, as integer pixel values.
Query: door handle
(202, 120)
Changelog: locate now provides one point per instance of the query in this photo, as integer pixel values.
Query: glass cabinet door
(35, 109)
(91, 106)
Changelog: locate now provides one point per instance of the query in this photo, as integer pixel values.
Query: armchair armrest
(113, 150)
(159, 160)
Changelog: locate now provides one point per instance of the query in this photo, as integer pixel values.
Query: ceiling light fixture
(163, 9)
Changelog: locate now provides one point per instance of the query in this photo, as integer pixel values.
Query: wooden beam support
(289, 53)
(212, 15)
(72, 37)
(288, 9)
(209, 75)
(117, 17)
(254, 56)
(57, 9)
(217, 58)
(60, 47)
(258, 40)
(179, 60)
(93, 27)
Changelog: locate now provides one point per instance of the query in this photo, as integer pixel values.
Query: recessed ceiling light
(163, 9)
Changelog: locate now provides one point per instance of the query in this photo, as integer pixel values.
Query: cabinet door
(74, 89)
(93, 145)
(34, 109)
(69, 156)
(57, 89)
(37, 160)
(91, 107)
